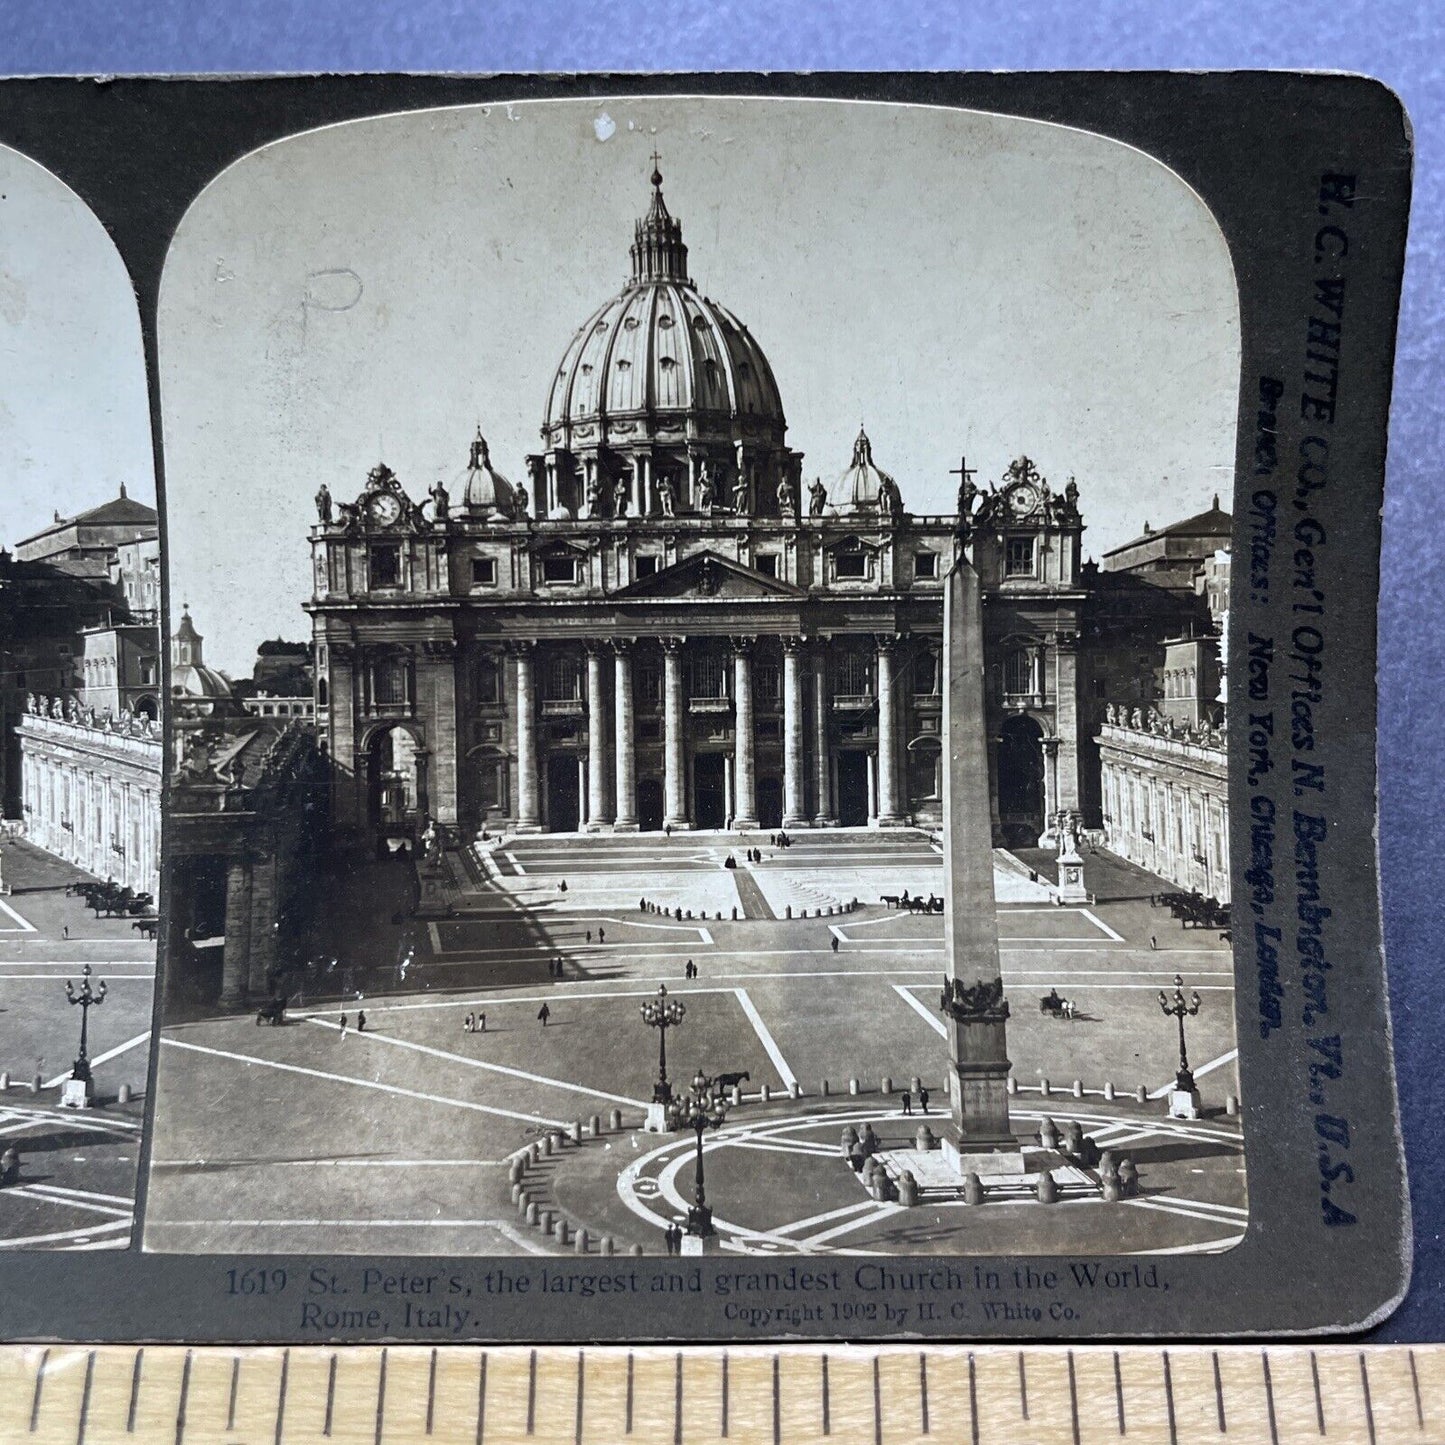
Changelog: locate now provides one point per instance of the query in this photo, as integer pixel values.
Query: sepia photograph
(697, 692)
(81, 762)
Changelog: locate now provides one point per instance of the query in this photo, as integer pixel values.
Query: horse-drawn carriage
(272, 1011)
(1053, 1006)
(912, 903)
(1195, 910)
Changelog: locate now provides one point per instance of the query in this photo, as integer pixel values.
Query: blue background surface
(1401, 43)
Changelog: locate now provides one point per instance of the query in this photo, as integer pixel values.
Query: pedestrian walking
(601, 934)
(361, 1023)
(667, 830)
(343, 1025)
(589, 935)
(907, 1100)
(667, 1238)
(544, 1013)
(467, 1024)
(835, 943)
(66, 930)
(563, 885)
(923, 1099)
(1153, 942)
(481, 1023)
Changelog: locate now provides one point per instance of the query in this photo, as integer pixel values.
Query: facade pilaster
(794, 808)
(236, 948)
(674, 793)
(599, 804)
(888, 813)
(624, 738)
(822, 770)
(745, 802)
(529, 809)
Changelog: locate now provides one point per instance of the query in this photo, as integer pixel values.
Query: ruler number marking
(1369, 1404)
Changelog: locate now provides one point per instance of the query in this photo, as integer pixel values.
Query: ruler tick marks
(1073, 1399)
(1023, 1384)
(481, 1398)
(1415, 1385)
(629, 1392)
(231, 1399)
(185, 1391)
(777, 1406)
(1319, 1399)
(1169, 1399)
(330, 1397)
(431, 1392)
(85, 1398)
(380, 1397)
(35, 1398)
(827, 1403)
(1119, 1394)
(1219, 1394)
(135, 1373)
(677, 1399)
(1269, 1399)
(923, 1391)
(724, 1431)
(1369, 1406)
(973, 1396)
(581, 1366)
(877, 1406)
(532, 1394)
(280, 1395)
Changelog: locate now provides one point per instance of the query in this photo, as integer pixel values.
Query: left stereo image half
(81, 744)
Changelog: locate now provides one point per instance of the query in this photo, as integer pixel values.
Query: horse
(732, 1081)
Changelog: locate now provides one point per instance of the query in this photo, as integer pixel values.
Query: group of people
(672, 1237)
(906, 1100)
(753, 855)
(557, 967)
(690, 971)
(601, 934)
(779, 840)
(360, 1023)
(475, 1024)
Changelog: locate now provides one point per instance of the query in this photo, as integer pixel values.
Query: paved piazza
(311, 1137)
(78, 1167)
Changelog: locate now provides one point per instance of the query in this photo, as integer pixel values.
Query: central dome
(659, 359)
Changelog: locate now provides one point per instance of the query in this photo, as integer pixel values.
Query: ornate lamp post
(87, 998)
(1177, 1008)
(662, 1013)
(700, 1109)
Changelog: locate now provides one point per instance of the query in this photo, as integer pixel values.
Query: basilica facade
(667, 625)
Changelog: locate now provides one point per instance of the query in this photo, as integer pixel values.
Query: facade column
(599, 805)
(822, 771)
(887, 736)
(1050, 835)
(529, 812)
(744, 758)
(793, 806)
(1066, 717)
(263, 927)
(624, 739)
(236, 948)
(674, 788)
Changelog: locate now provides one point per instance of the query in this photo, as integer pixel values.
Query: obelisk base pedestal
(983, 1156)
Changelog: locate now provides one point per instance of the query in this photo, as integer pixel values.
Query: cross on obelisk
(980, 1138)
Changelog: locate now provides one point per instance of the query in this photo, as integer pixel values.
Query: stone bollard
(1078, 1090)
(1109, 1189)
(580, 1242)
(735, 913)
(852, 1086)
(560, 1232)
(1048, 1191)
(547, 1145)
(923, 1138)
(795, 1090)
(5, 1081)
(972, 1188)
(1108, 1092)
(787, 910)
(737, 1095)
(719, 915)
(679, 913)
(1141, 1095)
(868, 1139)
(35, 1084)
(849, 1139)
(635, 1250)
(517, 1192)
(575, 1132)
(764, 1093)
(594, 1126)
(830, 910)
(1231, 1106)
(607, 1245)
(546, 1218)
(854, 904)
(1073, 1137)
(1049, 1134)
(531, 1212)
(1128, 1176)
(1012, 1086)
(907, 1189)
(614, 1120)
(1045, 1088)
(123, 1094)
(825, 1088)
(689, 912)
(534, 1151)
(515, 1170)
(885, 1085)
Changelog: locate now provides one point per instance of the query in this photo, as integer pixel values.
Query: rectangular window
(767, 564)
(385, 565)
(708, 676)
(647, 566)
(852, 566)
(559, 569)
(925, 565)
(649, 683)
(484, 572)
(389, 682)
(489, 681)
(768, 682)
(1019, 558)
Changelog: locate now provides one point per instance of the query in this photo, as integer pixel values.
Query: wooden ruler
(984, 1395)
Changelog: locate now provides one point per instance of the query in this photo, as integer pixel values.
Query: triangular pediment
(708, 574)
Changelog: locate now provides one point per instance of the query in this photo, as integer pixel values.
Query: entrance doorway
(392, 782)
(649, 805)
(770, 803)
(1021, 782)
(564, 795)
(709, 790)
(853, 789)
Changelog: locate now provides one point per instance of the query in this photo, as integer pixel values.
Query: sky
(961, 283)
(74, 416)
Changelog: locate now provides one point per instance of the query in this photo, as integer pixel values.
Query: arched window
(563, 679)
(709, 676)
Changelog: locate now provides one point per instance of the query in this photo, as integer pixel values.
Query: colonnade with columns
(608, 770)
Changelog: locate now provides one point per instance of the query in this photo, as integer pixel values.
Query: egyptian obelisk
(973, 1005)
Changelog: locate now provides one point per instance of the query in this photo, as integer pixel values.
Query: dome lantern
(658, 252)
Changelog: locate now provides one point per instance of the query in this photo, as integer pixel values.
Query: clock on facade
(384, 508)
(1023, 500)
